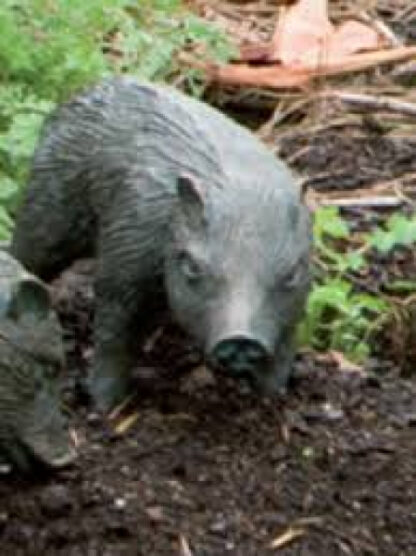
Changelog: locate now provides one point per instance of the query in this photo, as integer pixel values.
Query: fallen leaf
(352, 36)
(185, 549)
(306, 45)
(344, 364)
(74, 437)
(155, 513)
(122, 426)
(305, 36)
(302, 33)
(117, 411)
(287, 537)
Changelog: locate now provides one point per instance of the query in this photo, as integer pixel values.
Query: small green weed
(339, 315)
(398, 231)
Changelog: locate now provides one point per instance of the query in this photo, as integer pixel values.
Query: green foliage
(151, 55)
(398, 231)
(328, 225)
(51, 48)
(338, 315)
(341, 319)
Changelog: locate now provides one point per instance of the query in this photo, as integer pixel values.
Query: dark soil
(208, 464)
(366, 160)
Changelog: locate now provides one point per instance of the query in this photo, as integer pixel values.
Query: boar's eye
(295, 276)
(189, 267)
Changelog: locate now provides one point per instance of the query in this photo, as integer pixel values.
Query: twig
(365, 103)
(280, 115)
(365, 202)
(287, 537)
(185, 549)
(381, 28)
(406, 13)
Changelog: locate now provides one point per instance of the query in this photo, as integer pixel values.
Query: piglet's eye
(189, 267)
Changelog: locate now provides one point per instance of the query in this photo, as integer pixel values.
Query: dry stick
(368, 102)
(395, 186)
(280, 115)
(250, 9)
(381, 28)
(277, 76)
(404, 14)
(364, 202)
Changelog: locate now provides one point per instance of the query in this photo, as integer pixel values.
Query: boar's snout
(239, 355)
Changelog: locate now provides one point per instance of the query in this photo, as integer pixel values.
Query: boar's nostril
(239, 354)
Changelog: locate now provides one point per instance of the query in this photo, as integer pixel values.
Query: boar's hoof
(107, 392)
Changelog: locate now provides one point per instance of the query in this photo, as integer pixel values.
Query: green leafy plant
(338, 315)
(52, 48)
(340, 319)
(398, 231)
(328, 227)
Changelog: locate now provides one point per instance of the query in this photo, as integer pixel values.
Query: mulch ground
(226, 473)
(205, 467)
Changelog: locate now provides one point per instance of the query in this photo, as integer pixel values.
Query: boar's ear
(31, 298)
(307, 197)
(191, 201)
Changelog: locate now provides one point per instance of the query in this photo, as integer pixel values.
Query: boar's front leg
(276, 377)
(125, 308)
(127, 289)
(115, 339)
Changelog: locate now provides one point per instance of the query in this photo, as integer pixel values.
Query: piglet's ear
(191, 197)
(31, 299)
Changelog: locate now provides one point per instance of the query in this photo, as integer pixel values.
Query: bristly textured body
(105, 180)
(31, 353)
